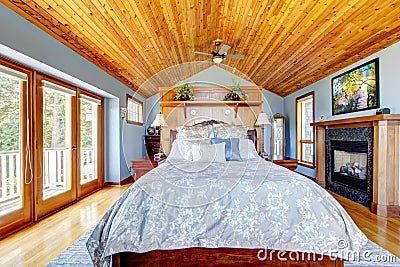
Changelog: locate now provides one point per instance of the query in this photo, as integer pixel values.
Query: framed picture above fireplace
(356, 89)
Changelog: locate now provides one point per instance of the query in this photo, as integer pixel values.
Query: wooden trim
(388, 211)
(128, 180)
(222, 257)
(306, 164)
(363, 119)
(299, 140)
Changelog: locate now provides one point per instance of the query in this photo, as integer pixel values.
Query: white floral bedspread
(250, 204)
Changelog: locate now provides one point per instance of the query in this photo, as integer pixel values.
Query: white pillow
(247, 149)
(182, 148)
(208, 152)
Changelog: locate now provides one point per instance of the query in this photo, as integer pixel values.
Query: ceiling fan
(218, 55)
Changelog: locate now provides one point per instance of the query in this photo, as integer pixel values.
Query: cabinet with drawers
(152, 143)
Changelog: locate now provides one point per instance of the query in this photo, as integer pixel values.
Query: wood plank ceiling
(288, 44)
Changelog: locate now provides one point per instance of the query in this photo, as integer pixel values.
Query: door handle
(74, 148)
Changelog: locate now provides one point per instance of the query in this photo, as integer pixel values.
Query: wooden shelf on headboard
(234, 104)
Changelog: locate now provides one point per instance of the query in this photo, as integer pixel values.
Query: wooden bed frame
(223, 256)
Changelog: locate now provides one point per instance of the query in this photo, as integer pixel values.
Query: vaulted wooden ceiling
(288, 44)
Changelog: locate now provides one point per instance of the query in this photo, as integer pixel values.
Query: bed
(210, 211)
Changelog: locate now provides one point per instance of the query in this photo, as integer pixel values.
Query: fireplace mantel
(385, 199)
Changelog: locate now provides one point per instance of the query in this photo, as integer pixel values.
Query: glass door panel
(89, 144)
(58, 153)
(88, 136)
(15, 178)
(56, 142)
(10, 144)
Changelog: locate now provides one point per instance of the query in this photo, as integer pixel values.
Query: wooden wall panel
(208, 104)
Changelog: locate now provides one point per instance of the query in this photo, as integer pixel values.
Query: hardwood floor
(383, 231)
(40, 243)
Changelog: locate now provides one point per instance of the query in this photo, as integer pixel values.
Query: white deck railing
(10, 182)
(87, 165)
(54, 171)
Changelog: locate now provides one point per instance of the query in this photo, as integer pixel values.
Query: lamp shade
(262, 119)
(159, 121)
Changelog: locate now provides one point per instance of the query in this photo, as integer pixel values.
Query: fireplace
(381, 132)
(349, 163)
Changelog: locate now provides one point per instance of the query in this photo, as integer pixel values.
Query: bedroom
(58, 56)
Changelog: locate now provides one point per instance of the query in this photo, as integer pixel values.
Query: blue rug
(372, 255)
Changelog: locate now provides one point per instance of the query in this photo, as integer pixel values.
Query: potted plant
(184, 93)
(236, 93)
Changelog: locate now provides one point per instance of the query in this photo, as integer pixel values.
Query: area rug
(371, 255)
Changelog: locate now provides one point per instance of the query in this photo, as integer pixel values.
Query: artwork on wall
(356, 89)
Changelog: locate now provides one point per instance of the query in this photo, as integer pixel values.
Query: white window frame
(134, 110)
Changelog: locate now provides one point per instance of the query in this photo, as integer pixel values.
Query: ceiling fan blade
(223, 49)
(202, 53)
(235, 56)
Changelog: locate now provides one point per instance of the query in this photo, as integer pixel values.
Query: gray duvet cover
(249, 204)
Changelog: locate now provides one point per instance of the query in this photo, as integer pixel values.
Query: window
(305, 132)
(134, 110)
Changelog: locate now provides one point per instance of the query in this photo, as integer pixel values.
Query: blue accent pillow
(232, 152)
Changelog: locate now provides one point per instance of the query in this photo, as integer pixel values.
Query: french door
(50, 145)
(89, 136)
(56, 151)
(16, 177)
(68, 148)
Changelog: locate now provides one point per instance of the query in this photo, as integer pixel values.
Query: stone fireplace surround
(386, 152)
(349, 135)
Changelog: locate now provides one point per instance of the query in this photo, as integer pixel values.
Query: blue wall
(389, 74)
(39, 47)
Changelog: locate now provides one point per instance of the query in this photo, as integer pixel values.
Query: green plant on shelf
(236, 93)
(184, 93)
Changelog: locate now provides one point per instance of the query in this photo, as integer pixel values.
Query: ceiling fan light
(217, 60)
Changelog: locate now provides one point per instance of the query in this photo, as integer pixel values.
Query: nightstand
(152, 143)
(289, 163)
(143, 165)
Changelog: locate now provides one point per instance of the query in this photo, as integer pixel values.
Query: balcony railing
(10, 167)
(54, 171)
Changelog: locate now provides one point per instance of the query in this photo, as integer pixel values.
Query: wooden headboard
(209, 104)
(251, 134)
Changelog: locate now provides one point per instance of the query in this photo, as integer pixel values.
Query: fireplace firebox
(349, 163)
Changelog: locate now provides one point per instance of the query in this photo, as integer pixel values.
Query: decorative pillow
(182, 148)
(208, 152)
(247, 149)
(231, 131)
(194, 132)
(232, 152)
